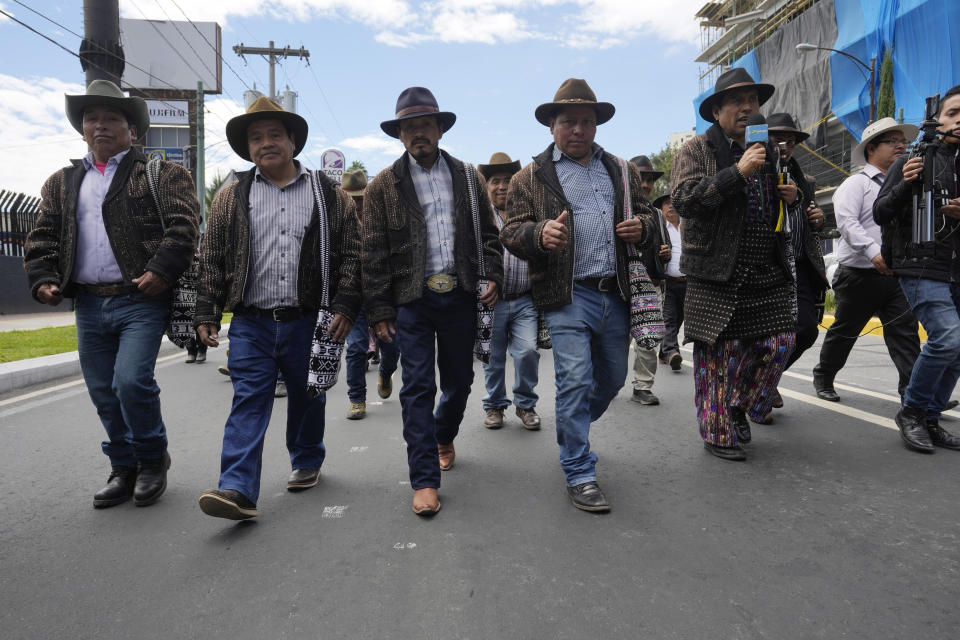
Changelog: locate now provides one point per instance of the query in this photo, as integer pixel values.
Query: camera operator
(929, 281)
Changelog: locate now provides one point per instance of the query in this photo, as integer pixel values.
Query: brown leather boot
(426, 502)
(447, 456)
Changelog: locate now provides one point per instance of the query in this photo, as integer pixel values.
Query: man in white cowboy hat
(262, 258)
(514, 319)
(566, 217)
(420, 272)
(100, 240)
(864, 285)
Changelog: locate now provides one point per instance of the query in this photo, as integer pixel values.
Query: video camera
(928, 194)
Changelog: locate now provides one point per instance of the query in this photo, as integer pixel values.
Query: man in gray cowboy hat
(514, 319)
(420, 271)
(100, 240)
(566, 217)
(262, 258)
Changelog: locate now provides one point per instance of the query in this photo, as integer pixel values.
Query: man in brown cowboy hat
(420, 271)
(100, 240)
(740, 292)
(566, 217)
(514, 319)
(262, 258)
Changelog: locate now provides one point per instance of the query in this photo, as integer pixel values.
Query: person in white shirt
(675, 287)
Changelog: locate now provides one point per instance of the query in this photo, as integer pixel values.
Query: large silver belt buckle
(441, 283)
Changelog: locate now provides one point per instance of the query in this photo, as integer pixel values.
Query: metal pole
(201, 186)
(273, 61)
(873, 99)
(101, 55)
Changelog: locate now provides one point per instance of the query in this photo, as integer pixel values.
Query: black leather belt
(278, 314)
(677, 278)
(508, 297)
(608, 283)
(107, 288)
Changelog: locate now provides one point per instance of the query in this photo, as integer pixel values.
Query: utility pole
(101, 55)
(271, 52)
(201, 187)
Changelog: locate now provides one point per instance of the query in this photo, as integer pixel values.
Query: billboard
(169, 112)
(157, 46)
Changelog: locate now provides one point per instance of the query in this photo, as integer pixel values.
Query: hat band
(417, 109)
(737, 86)
(576, 101)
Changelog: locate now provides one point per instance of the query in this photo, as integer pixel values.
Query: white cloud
(673, 21)
(373, 143)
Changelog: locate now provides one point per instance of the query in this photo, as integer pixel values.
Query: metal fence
(18, 214)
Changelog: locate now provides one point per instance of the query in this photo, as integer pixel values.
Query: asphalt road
(832, 529)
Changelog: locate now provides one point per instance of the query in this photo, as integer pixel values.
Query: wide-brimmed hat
(658, 203)
(263, 108)
(499, 163)
(574, 92)
(858, 156)
(354, 183)
(783, 123)
(643, 163)
(106, 94)
(737, 78)
(416, 102)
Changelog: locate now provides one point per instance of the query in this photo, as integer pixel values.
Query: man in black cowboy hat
(420, 270)
(566, 215)
(740, 293)
(514, 320)
(100, 240)
(262, 258)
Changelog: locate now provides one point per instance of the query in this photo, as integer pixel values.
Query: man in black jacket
(929, 280)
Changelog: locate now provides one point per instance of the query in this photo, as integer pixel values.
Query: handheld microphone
(757, 130)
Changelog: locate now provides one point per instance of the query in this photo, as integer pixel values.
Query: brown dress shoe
(426, 502)
(529, 418)
(447, 456)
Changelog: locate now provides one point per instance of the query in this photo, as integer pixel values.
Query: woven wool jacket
(535, 196)
(709, 196)
(225, 256)
(130, 217)
(395, 238)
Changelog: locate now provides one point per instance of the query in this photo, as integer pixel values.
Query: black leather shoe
(738, 418)
(940, 437)
(151, 480)
(913, 429)
(588, 497)
(951, 404)
(824, 389)
(301, 479)
(119, 488)
(777, 399)
(727, 453)
(228, 504)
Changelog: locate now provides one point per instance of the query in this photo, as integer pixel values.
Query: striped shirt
(278, 219)
(516, 274)
(590, 192)
(434, 188)
(95, 262)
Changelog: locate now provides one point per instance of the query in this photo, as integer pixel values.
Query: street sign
(170, 154)
(332, 163)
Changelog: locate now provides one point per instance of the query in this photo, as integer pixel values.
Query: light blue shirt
(95, 262)
(435, 192)
(853, 202)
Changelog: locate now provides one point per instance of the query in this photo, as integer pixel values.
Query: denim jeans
(437, 334)
(591, 338)
(514, 329)
(259, 348)
(357, 344)
(937, 306)
(118, 338)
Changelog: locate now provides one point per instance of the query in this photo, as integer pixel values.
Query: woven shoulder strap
(475, 212)
(153, 183)
(627, 204)
(324, 239)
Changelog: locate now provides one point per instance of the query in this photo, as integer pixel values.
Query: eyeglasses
(895, 142)
(789, 142)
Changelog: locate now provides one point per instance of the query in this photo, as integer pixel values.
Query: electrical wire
(219, 55)
(327, 102)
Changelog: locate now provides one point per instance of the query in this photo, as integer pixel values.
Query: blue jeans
(935, 373)
(357, 343)
(514, 328)
(448, 320)
(259, 348)
(118, 338)
(591, 337)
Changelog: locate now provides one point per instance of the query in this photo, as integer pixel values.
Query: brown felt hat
(731, 80)
(103, 93)
(574, 92)
(499, 163)
(263, 108)
(416, 102)
(354, 183)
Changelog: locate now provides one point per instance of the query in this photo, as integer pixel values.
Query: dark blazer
(812, 250)
(130, 217)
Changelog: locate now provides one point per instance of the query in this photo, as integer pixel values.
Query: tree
(886, 102)
(212, 189)
(358, 165)
(663, 161)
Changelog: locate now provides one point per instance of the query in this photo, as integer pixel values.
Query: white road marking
(358, 449)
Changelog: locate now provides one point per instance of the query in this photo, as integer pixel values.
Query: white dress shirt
(95, 262)
(853, 206)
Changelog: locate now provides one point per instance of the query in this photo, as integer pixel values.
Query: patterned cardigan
(535, 196)
(225, 255)
(131, 220)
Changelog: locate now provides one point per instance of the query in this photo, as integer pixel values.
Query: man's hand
(912, 169)
(881, 266)
(664, 252)
(340, 327)
(952, 210)
(490, 296)
(150, 283)
(554, 234)
(209, 335)
(49, 293)
(815, 217)
(752, 159)
(385, 331)
(788, 193)
(630, 230)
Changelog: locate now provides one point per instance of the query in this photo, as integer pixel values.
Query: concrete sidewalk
(27, 321)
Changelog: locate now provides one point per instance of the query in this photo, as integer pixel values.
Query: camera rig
(928, 193)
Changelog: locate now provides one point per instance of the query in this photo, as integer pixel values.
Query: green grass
(20, 345)
(830, 305)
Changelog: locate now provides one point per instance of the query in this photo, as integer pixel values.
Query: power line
(317, 81)
(306, 104)
(180, 33)
(219, 55)
(164, 38)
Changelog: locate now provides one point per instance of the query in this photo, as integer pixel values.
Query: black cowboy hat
(729, 80)
(416, 102)
(658, 203)
(103, 93)
(499, 163)
(574, 91)
(783, 123)
(263, 108)
(643, 163)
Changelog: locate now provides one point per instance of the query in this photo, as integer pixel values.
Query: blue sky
(491, 63)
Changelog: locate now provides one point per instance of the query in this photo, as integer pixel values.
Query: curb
(873, 327)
